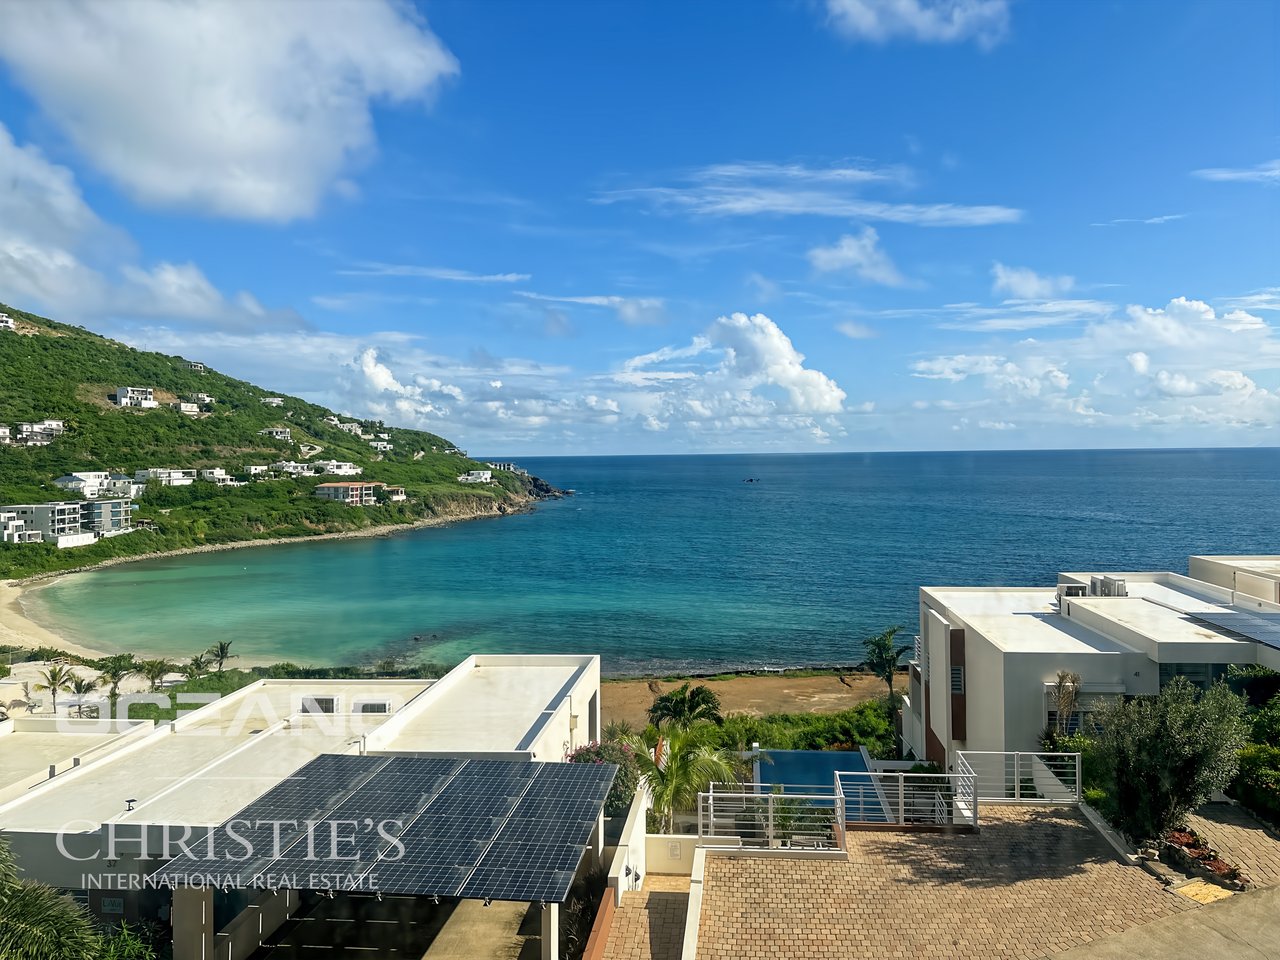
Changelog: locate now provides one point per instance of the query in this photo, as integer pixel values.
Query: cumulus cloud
(240, 110)
(986, 22)
(860, 254)
(1023, 283)
(56, 254)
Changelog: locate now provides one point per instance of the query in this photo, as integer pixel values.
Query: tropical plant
(38, 922)
(196, 667)
(685, 706)
(1166, 755)
(623, 791)
(683, 763)
(56, 679)
(220, 653)
(113, 671)
(1266, 723)
(616, 730)
(82, 686)
(126, 943)
(1065, 696)
(155, 671)
(881, 656)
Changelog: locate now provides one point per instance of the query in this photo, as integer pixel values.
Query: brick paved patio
(650, 923)
(1241, 840)
(1033, 882)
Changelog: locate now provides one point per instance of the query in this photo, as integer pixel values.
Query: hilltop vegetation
(50, 370)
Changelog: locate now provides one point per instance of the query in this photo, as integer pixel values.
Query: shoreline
(19, 629)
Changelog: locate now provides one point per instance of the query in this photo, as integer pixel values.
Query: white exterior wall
(937, 636)
(987, 711)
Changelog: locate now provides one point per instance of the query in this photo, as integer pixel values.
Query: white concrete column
(550, 933)
(596, 843)
(192, 920)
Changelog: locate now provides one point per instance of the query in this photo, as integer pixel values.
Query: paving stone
(1241, 840)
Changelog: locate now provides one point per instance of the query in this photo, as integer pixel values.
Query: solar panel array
(443, 826)
(1262, 627)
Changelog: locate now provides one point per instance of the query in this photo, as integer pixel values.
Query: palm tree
(155, 671)
(683, 764)
(113, 671)
(1065, 695)
(220, 653)
(196, 667)
(55, 680)
(882, 657)
(83, 686)
(683, 707)
(38, 922)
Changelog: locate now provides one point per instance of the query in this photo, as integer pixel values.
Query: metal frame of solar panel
(1262, 627)
(450, 827)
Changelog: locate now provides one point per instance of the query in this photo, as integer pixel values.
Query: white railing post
(769, 823)
(1079, 794)
(1017, 776)
(902, 799)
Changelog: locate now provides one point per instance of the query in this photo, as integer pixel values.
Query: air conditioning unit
(1114, 587)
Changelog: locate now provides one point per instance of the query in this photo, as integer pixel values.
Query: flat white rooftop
(215, 760)
(29, 746)
(497, 706)
(1022, 620)
(1266, 566)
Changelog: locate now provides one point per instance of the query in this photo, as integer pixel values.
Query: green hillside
(50, 370)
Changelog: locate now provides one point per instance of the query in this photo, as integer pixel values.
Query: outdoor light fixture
(331, 895)
(436, 899)
(378, 894)
(627, 872)
(542, 904)
(128, 804)
(488, 901)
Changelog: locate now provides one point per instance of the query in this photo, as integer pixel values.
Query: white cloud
(1023, 283)
(927, 21)
(1139, 361)
(237, 109)
(997, 425)
(1149, 221)
(1268, 172)
(1266, 299)
(753, 189)
(860, 254)
(855, 331)
(634, 311)
(430, 273)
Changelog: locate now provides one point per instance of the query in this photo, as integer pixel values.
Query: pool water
(793, 769)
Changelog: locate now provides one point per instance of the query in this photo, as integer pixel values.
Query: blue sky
(568, 227)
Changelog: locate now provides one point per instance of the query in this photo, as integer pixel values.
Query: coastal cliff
(202, 420)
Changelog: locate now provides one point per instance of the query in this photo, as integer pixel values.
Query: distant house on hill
(291, 467)
(40, 432)
(273, 401)
(382, 446)
(6, 322)
(352, 493)
(393, 493)
(220, 477)
(338, 468)
(166, 476)
(141, 397)
(205, 399)
(476, 476)
(5, 434)
(277, 433)
(193, 366)
(190, 409)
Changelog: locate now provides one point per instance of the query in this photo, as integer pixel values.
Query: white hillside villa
(140, 397)
(6, 322)
(166, 476)
(338, 468)
(476, 476)
(277, 433)
(273, 401)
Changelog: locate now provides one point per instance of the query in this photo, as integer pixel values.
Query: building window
(1203, 675)
(319, 705)
(372, 706)
(1075, 723)
(957, 679)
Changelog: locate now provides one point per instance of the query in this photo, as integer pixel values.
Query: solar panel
(1261, 627)
(444, 826)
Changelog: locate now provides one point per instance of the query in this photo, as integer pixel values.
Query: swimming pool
(794, 769)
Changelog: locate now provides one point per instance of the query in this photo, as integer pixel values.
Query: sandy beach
(19, 630)
(629, 700)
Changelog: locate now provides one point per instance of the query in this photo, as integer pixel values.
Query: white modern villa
(95, 807)
(987, 658)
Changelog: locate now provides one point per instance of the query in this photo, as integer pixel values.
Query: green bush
(1266, 723)
(866, 725)
(623, 791)
(1257, 785)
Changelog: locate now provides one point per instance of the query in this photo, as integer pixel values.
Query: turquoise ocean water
(666, 563)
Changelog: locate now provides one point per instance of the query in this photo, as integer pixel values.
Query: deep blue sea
(675, 563)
